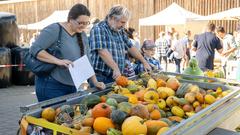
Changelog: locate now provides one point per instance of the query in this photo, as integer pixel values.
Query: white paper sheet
(81, 71)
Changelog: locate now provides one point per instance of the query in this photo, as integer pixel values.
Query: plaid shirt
(154, 63)
(162, 46)
(102, 36)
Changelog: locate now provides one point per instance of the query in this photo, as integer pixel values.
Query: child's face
(149, 52)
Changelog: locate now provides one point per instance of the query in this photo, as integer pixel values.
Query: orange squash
(102, 124)
(88, 122)
(154, 125)
(175, 118)
(162, 130)
(122, 81)
(101, 110)
(140, 94)
(173, 83)
(155, 114)
(161, 83)
(49, 114)
(151, 97)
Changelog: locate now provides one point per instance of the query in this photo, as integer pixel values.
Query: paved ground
(11, 99)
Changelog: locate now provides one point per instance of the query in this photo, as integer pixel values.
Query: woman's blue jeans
(48, 88)
(177, 63)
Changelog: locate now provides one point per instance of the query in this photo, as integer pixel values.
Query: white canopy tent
(172, 15)
(56, 16)
(231, 14)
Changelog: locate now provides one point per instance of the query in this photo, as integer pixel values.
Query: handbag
(41, 68)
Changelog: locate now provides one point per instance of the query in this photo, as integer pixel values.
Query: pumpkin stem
(143, 121)
(104, 106)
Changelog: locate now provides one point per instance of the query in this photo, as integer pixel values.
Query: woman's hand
(100, 85)
(64, 62)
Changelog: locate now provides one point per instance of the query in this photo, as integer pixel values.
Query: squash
(122, 81)
(118, 97)
(118, 116)
(175, 118)
(161, 83)
(209, 99)
(151, 107)
(48, 114)
(101, 110)
(200, 98)
(183, 89)
(88, 122)
(154, 125)
(177, 111)
(102, 124)
(190, 97)
(125, 107)
(134, 125)
(155, 115)
(165, 92)
(162, 104)
(90, 100)
(112, 131)
(173, 83)
(132, 88)
(140, 94)
(140, 110)
(67, 109)
(152, 84)
(151, 97)
(162, 130)
(112, 102)
(169, 122)
(187, 108)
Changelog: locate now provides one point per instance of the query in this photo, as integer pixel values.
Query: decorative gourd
(112, 102)
(161, 83)
(112, 131)
(132, 88)
(155, 114)
(199, 97)
(140, 94)
(190, 97)
(122, 81)
(152, 84)
(151, 97)
(67, 109)
(118, 116)
(101, 110)
(183, 89)
(165, 92)
(125, 107)
(209, 99)
(88, 122)
(162, 130)
(154, 125)
(134, 125)
(140, 110)
(90, 100)
(187, 108)
(175, 118)
(177, 111)
(118, 97)
(49, 114)
(180, 101)
(169, 122)
(102, 124)
(173, 83)
(152, 107)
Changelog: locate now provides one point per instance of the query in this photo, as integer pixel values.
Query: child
(128, 70)
(148, 50)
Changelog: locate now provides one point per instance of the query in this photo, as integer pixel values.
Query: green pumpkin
(125, 107)
(91, 100)
(112, 102)
(118, 116)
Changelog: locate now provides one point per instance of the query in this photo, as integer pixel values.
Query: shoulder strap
(59, 35)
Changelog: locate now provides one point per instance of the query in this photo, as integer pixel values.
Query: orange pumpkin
(101, 110)
(154, 125)
(49, 114)
(161, 83)
(102, 124)
(173, 83)
(140, 94)
(155, 115)
(134, 125)
(122, 81)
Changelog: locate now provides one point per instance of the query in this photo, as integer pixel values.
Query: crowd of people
(114, 50)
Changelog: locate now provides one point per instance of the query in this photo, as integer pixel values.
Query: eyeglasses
(82, 23)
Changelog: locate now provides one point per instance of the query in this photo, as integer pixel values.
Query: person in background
(229, 47)
(162, 47)
(34, 36)
(179, 51)
(205, 45)
(59, 81)
(187, 43)
(109, 43)
(148, 50)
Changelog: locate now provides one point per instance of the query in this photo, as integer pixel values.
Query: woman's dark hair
(77, 10)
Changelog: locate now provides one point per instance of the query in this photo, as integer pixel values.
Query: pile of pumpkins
(149, 105)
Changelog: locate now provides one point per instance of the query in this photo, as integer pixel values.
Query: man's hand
(64, 63)
(147, 67)
(116, 73)
(100, 85)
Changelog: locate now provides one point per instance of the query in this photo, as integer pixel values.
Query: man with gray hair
(108, 44)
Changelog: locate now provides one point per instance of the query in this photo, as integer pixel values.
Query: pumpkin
(169, 122)
(162, 130)
(67, 109)
(90, 100)
(134, 125)
(199, 97)
(119, 98)
(177, 111)
(88, 122)
(118, 116)
(154, 125)
(187, 108)
(151, 107)
(165, 92)
(122, 81)
(132, 88)
(173, 83)
(102, 124)
(175, 118)
(140, 110)
(209, 99)
(161, 104)
(112, 102)
(183, 89)
(151, 97)
(161, 83)
(49, 114)
(125, 107)
(140, 94)
(155, 115)
(101, 110)
(190, 97)
(152, 84)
